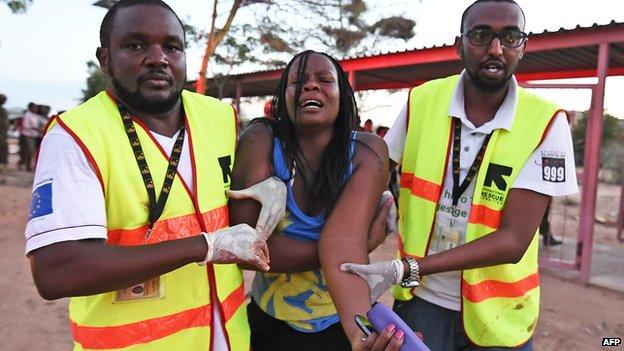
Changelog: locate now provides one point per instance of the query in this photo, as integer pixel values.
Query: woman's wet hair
(327, 182)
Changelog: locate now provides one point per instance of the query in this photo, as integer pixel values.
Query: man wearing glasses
(481, 158)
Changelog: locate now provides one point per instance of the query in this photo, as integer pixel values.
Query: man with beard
(481, 158)
(129, 210)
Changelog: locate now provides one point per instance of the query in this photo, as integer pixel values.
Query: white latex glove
(271, 194)
(391, 217)
(380, 276)
(384, 222)
(237, 244)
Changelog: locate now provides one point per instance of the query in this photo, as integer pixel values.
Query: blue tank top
(302, 299)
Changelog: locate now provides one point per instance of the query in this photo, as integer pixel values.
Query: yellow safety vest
(181, 319)
(500, 304)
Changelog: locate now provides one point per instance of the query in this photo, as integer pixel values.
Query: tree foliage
(395, 27)
(17, 6)
(342, 28)
(95, 82)
(612, 136)
(264, 34)
(215, 37)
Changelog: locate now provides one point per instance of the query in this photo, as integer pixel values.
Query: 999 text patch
(553, 169)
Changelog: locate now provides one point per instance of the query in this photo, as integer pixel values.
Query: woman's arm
(344, 235)
(253, 164)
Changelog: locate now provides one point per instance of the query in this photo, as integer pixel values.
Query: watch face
(410, 284)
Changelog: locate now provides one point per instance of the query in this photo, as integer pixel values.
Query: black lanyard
(476, 164)
(155, 207)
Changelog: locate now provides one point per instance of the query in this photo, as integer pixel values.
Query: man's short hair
(109, 18)
(465, 14)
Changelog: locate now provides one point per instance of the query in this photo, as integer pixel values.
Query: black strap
(476, 164)
(156, 207)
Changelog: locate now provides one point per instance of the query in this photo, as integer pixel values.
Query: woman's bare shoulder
(372, 143)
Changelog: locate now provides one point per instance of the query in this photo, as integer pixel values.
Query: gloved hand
(391, 217)
(237, 244)
(271, 194)
(380, 276)
(385, 222)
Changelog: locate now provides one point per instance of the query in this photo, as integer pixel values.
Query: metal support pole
(592, 163)
(239, 93)
(620, 234)
(556, 86)
(352, 80)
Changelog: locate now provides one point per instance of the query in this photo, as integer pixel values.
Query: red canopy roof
(566, 53)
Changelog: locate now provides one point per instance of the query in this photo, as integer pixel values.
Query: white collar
(503, 119)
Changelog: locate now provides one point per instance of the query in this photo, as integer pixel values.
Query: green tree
(612, 134)
(341, 28)
(95, 81)
(280, 28)
(17, 6)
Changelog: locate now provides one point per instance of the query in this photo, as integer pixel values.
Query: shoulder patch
(553, 169)
(41, 202)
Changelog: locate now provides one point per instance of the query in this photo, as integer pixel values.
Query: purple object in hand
(380, 316)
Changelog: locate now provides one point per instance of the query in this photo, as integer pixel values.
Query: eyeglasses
(509, 38)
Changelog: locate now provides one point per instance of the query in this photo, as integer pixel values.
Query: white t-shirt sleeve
(395, 138)
(67, 200)
(550, 170)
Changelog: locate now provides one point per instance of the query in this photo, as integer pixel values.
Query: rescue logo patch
(496, 174)
(553, 169)
(225, 162)
(41, 202)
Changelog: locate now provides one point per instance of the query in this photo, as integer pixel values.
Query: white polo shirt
(538, 175)
(68, 203)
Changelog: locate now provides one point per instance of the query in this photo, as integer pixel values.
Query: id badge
(449, 238)
(148, 290)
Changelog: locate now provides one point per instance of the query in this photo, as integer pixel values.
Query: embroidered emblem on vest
(225, 162)
(496, 174)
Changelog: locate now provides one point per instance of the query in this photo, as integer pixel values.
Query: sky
(43, 53)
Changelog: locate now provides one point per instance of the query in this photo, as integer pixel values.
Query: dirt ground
(573, 317)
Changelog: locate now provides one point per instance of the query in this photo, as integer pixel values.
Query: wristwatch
(413, 279)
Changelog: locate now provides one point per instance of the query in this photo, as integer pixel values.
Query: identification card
(151, 289)
(449, 238)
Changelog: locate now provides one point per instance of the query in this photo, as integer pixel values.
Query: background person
(4, 130)
(381, 131)
(548, 239)
(30, 131)
(44, 116)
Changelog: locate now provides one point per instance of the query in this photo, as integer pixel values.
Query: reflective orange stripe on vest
(170, 229)
(481, 214)
(499, 304)
(191, 291)
(494, 288)
(421, 187)
(135, 333)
